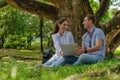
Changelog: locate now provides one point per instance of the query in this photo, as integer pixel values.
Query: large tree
(74, 11)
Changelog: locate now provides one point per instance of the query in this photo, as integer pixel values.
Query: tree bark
(104, 5)
(70, 9)
(2, 4)
(35, 7)
(41, 33)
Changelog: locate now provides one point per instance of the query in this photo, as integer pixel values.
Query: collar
(92, 30)
(62, 34)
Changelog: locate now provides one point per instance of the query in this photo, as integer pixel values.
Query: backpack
(47, 55)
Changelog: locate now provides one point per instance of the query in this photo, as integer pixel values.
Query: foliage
(15, 42)
(21, 25)
(17, 23)
(47, 32)
(94, 4)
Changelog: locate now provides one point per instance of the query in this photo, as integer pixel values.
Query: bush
(15, 42)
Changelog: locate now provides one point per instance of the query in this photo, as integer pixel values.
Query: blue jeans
(54, 62)
(64, 60)
(49, 62)
(82, 59)
(86, 59)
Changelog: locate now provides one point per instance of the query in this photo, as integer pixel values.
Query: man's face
(86, 23)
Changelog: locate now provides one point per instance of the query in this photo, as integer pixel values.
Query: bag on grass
(47, 55)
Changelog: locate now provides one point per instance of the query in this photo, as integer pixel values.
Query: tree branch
(112, 41)
(55, 2)
(35, 7)
(116, 41)
(85, 7)
(112, 28)
(112, 24)
(2, 4)
(104, 4)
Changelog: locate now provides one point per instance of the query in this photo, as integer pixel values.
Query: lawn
(117, 51)
(18, 65)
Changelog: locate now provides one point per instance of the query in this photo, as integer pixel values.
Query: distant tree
(16, 22)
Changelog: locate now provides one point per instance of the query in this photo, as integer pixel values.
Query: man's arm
(82, 49)
(96, 47)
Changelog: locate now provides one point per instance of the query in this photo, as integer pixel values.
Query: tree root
(115, 69)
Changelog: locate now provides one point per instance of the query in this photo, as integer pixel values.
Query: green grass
(22, 70)
(117, 51)
(15, 69)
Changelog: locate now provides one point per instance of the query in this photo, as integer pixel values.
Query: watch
(85, 50)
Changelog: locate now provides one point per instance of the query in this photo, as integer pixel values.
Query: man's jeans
(86, 59)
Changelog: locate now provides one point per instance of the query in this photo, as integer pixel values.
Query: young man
(93, 43)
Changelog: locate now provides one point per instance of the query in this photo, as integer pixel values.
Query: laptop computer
(68, 49)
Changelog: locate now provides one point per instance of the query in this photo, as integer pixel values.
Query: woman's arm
(56, 43)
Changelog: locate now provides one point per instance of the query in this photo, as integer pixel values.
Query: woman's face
(63, 26)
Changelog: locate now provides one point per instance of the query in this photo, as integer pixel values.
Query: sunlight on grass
(117, 51)
(26, 51)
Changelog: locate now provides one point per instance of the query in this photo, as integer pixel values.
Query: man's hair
(91, 17)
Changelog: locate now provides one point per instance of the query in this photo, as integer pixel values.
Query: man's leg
(86, 59)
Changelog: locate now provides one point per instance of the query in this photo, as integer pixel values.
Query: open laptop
(68, 49)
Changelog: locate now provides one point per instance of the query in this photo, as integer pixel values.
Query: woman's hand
(61, 53)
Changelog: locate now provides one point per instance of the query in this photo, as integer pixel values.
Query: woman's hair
(60, 21)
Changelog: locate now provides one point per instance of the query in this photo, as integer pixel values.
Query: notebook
(68, 49)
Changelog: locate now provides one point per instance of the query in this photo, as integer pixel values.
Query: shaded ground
(21, 54)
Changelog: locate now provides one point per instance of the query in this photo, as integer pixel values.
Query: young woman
(60, 36)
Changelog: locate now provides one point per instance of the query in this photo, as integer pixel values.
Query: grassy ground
(16, 65)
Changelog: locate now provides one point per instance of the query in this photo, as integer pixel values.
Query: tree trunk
(41, 33)
(2, 40)
(70, 9)
(113, 41)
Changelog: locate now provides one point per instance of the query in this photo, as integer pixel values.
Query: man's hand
(79, 50)
(61, 53)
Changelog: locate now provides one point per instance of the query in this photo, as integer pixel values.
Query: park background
(25, 33)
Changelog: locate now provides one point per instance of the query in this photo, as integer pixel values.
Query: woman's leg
(60, 61)
(86, 59)
(49, 62)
